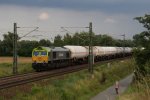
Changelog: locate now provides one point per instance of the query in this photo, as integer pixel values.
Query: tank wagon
(45, 58)
(78, 54)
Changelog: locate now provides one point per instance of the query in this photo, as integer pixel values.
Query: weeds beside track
(20, 79)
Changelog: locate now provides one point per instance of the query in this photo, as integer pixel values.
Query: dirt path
(110, 94)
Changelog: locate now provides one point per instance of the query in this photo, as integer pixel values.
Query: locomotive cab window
(43, 53)
(35, 53)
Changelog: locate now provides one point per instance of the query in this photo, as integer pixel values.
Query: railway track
(35, 76)
(20, 79)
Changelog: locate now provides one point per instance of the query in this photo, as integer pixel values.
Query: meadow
(6, 65)
(75, 86)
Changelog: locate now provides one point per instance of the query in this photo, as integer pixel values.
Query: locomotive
(45, 58)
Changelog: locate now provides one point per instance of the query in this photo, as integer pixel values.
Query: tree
(8, 43)
(76, 39)
(103, 40)
(1, 48)
(143, 40)
(83, 38)
(25, 47)
(124, 43)
(58, 41)
(44, 42)
(68, 39)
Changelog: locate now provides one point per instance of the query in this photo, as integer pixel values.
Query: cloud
(109, 20)
(109, 6)
(43, 16)
(27, 17)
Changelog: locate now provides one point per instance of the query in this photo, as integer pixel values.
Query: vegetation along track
(20, 79)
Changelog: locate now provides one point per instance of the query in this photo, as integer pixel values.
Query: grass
(24, 65)
(79, 85)
(139, 90)
(6, 68)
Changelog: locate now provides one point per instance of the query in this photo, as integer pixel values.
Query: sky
(111, 17)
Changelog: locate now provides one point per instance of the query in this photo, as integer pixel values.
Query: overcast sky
(112, 17)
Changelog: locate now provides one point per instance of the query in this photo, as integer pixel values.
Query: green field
(6, 68)
(75, 86)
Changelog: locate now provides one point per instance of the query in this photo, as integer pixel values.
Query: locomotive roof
(45, 48)
(51, 48)
(59, 49)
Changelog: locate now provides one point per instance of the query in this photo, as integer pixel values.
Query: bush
(103, 78)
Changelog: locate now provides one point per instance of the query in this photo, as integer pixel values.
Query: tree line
(82, 38)
(25, 47)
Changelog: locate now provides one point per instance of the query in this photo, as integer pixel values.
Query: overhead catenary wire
(72, 33)
(28, 32)
(75, 27)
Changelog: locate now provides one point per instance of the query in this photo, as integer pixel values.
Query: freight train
(45, 58)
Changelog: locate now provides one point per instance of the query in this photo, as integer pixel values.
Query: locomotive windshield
(35, 53)
(43, 53)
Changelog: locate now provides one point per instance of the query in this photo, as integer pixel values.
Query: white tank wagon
(101, 51)
(77, 52)
(119, 50)
(128, 49)
(95, 50)
(111, 50)
(106, 50)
